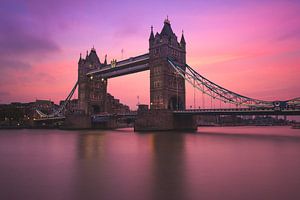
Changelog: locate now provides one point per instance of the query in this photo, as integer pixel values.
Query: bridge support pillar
(163, 120)
(110, 124)
(185, 123)
(78, 121)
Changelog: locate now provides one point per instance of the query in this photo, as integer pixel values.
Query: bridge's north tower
(167, 88)
(92, 90)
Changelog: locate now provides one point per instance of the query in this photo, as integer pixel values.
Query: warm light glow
(240, 45)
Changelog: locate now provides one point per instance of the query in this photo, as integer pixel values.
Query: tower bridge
(169, 73)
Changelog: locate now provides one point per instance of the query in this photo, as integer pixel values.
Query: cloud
(13, 64)
(126, 31)
(22, 43)
(4, 94)
(294, 34)
(18, 41)
(44, 77)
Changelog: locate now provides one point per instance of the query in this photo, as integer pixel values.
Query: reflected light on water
(214, 163)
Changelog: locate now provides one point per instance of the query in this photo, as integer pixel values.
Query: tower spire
(182, 41)
(151, 34)
(80, 58)
(105, 61)
(167, 21)
(167, 30)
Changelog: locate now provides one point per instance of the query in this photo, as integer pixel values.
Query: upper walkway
(124, 67)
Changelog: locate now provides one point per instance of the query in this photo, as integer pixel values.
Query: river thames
(214, 163)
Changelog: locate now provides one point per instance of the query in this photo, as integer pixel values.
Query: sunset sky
(250, 47)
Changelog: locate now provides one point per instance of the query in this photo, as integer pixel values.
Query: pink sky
(250, 47)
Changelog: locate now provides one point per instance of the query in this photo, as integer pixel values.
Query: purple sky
(250, 47)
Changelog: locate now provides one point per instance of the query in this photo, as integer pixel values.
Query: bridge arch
(95, 109)
(175, 103)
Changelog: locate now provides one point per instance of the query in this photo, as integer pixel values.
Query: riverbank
(296, 126)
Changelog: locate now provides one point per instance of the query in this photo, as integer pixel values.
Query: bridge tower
(167, 88)
(92, 90)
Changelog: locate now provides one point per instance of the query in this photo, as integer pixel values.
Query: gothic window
(160, 99)
(82, 95)
(156, 70)
(157, 84)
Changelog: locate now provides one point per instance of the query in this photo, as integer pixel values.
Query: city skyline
(249, 47)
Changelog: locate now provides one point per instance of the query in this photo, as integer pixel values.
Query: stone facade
(163, 120)
(92, 90)
(167, 88)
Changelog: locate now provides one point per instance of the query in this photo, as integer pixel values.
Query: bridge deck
(49, 119)
(238, 111)
(124, 67)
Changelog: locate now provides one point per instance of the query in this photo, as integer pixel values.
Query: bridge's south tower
(167, 89)
(92, 90)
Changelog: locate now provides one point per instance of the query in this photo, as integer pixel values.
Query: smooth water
(214, 163)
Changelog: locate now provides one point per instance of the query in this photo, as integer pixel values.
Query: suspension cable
(61, 108)
(216, 91)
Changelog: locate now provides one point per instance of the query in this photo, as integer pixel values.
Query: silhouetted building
(92, 90)
(167, 89)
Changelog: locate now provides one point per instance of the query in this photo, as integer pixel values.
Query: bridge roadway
(107, 116)
(49, 118)
(238, 111)
(225, 111)
(124, 67)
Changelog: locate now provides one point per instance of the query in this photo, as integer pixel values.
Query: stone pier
(163, 120)
(78, 121)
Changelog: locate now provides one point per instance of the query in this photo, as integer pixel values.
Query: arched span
(175, 103)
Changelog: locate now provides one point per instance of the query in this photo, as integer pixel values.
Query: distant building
(18, 113)
(71, 106)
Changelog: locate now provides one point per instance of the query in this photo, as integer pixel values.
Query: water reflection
(150, 166)
(90, 146)
(113, 166)
(220, 163)
(168, 167)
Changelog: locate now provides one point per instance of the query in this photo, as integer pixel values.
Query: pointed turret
(93, 57)
(167, 30)
(151, 38)
(105, 61)
(80, 59)
(182, 41)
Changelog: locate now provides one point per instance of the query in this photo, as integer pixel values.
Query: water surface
(214, 163)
